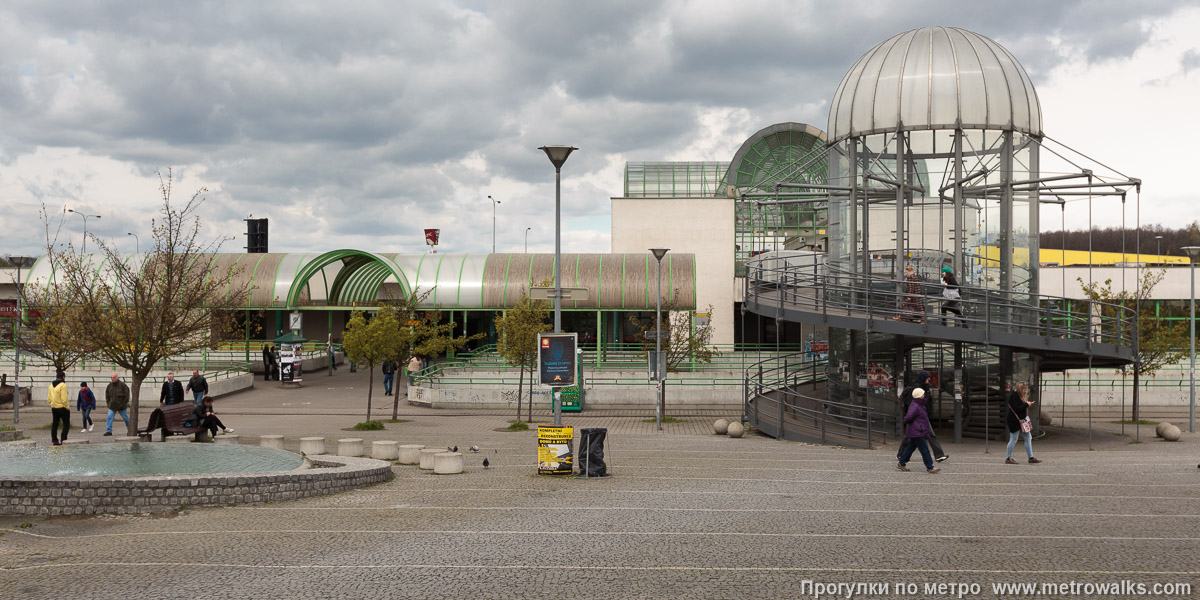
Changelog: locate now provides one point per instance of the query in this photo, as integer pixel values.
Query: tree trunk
(529, 404)
(135, 393)
(403, 373)
(520, 387)
(370, 388)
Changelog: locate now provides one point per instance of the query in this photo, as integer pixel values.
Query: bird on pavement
(485, 463)
(454, 449)
(474, 448)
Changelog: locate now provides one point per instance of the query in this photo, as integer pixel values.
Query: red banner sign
(431, 236)
(8, 309)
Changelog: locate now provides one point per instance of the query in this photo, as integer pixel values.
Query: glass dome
(935, 78)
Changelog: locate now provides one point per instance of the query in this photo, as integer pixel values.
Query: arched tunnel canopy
(357, 282)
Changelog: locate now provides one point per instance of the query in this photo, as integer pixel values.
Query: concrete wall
(701, 226)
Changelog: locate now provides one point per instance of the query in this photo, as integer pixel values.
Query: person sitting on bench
(206, 417)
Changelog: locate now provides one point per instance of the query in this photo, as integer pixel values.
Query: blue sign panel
(556, 359)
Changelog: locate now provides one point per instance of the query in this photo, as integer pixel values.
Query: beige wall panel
(494, 274)
(611, 273)
(639, 281)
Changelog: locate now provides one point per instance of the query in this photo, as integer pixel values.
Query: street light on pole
(20, 262)
(659, 253)
(527, 239)
(495, 202)
(557, 155)
(136, 241)
(1192, 252)
(1159, 238)
(85, 218)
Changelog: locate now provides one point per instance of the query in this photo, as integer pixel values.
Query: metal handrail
(813, 288)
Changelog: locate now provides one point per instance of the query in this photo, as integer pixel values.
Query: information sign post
(556, 365)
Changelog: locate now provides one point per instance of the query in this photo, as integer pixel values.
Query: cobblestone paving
(686, 514)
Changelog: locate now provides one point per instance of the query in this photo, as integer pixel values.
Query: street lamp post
(659, 253)
(1159, 238)
(557, 155)
(20, 262)
(527, 239)
(136, 241)
(495, 202)
(1192, 252)
(85, 218)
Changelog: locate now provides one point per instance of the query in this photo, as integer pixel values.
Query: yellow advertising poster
(554, 450)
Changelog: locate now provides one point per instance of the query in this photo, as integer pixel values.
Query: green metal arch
(362, 273)
(781, 153)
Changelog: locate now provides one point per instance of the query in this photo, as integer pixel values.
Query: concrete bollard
(271, 441)
(448, 463)
(409, 454)
(736, 430)
(385, 450)
(427, 457)
(721, 427)
(1171, 433)
(312, 446)
(1158, 429)
(350, 447)
(226, 440)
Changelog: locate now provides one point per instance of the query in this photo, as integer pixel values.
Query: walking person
(952, 292)
(389, 375)
(912, 308)
(85, 403)
(1018, 423)
(329, 351)
(172, 391)
(60, 408)
(198, 386)
(267, 362)
(206, 416)
(116, 397)
(916, 429)
(922, 383)
(414, 365)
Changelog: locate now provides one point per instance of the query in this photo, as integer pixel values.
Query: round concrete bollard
(271, 441)
(350, 447)
(427, 457)
(226, 440)
(312, 446)
(448, 463)
(409, 454)
(1045, 419)
(721, 427)
(736, 430)
(1171, 433)
(385, 450)
(1158, 429)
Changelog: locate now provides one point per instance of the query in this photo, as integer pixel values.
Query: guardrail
(811, 287)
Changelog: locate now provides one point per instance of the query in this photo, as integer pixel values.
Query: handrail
(816, 289)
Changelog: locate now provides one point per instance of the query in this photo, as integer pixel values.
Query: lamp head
(21, 262)
(659, 253)
(557, 154)
(1191, 251)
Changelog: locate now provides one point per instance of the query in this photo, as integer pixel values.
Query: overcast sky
(357, 124)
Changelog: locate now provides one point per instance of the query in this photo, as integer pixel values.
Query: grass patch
(1136, 442)
(396, 421)
(7, 428)
(45, 427)
(664, 420)
(518, 426)
(1132, 422)
(369, 426)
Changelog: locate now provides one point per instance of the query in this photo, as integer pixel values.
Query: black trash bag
(591, 452)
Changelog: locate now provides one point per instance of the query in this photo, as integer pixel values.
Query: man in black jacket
(172, 391)
(198, 386)
(905, 397)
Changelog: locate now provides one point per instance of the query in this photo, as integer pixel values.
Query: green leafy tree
(517, 332)
(136, 313)
(683, 344)
(419, 332)
(370, 341)
(51, 330)
(1160, 341)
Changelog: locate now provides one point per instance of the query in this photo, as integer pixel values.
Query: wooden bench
(173, 419)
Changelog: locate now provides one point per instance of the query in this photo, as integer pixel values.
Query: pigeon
(454, 449)
(485, 462)
(474, 448)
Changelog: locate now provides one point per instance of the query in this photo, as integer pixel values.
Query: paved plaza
(686, 514)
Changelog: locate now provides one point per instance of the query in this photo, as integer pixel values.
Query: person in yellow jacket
(60, 407)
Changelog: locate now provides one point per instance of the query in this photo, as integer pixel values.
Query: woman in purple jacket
(916, 429)
(85, 403)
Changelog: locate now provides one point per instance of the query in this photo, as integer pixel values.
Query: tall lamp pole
(1192, 252)
(659, 253)
(136, 241)
(495, 202)
(1159, 238)
(557, 155)
(527, 239)
(85, 218)
(20, 262)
